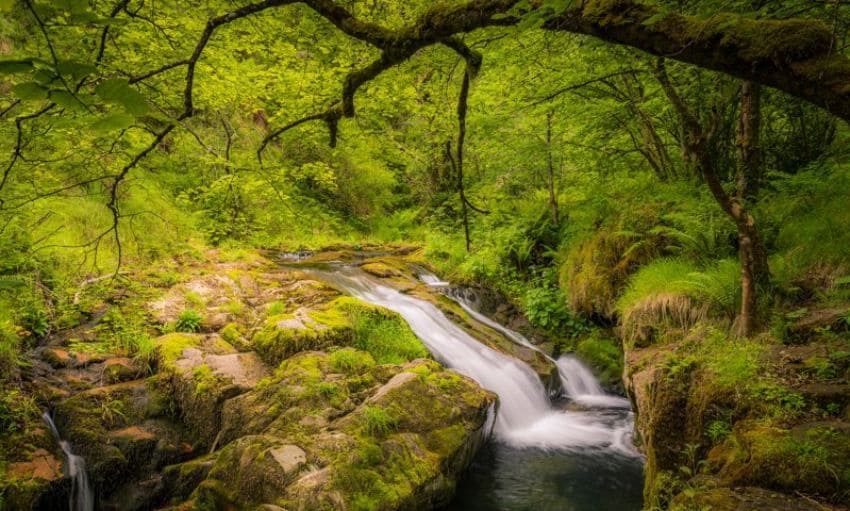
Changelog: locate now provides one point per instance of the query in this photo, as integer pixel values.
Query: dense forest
(317, 255)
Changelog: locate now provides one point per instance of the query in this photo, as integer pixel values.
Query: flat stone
(132, 433)
(289, 457)
(119, 369)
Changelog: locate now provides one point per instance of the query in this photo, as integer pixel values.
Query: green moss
(377, 421)
(351, 361)
(171, 346)
(231, 333)
(343, 322)
(603, 354)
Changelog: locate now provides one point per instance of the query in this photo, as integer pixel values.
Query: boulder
(395, 435)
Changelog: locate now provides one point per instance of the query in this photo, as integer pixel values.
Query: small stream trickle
(544, 458)
(81, 498)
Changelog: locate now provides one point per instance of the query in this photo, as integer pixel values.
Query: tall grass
(678, 293)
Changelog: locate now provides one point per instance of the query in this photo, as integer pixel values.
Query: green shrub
(189, 321)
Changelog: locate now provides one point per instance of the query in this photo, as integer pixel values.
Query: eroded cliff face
(270, 399)
(730, 424)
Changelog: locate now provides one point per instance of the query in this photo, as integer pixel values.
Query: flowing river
(543, 458)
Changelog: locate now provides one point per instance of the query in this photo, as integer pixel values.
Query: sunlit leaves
(119, 92)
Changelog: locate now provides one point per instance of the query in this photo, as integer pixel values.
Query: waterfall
(82, 498)
(577, 380)
(526, 418)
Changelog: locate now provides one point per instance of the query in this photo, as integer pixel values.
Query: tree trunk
(697, 139)
(553, 198)
(749, 171)
(754, 266)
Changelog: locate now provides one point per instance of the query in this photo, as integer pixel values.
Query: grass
(377, 421)
(678, 293)
(189, 321)
(351, 361)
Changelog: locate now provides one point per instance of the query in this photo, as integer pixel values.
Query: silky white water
(577, 381)
(526, 418)
(81, 498)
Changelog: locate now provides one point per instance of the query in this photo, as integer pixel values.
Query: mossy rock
(813, 459)
(397, 442)
(344, 321)
(741, 499)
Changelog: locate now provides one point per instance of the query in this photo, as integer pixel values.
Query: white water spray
(82, 498)
(526, 417)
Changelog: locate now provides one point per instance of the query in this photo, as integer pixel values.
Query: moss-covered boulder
(339, 432)
(741, 499)
(344, 321)
(122, 431)
(204, 372)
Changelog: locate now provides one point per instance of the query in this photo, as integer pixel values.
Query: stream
(543, 457)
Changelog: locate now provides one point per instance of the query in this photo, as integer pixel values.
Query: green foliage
(9, 348)
(678, 293)
(718, 430)
(603, 354)
(16, 410)
(189, 321)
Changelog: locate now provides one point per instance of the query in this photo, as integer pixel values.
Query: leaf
(7, 5)
(29, 91)
(8, 67)
(67, 100)
(76, 69)
(118, 91)
(113, 122)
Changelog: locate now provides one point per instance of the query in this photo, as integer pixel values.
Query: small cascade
(577, 381)
(82, 498)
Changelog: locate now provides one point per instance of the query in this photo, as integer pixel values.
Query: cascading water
(81, 498)
(577, 381)
(545, 459)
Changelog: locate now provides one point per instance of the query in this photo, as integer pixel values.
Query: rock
(116, 370)
(403, 444)
(205, 376)
(42, 465)
(289, 457)
(57, 357)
